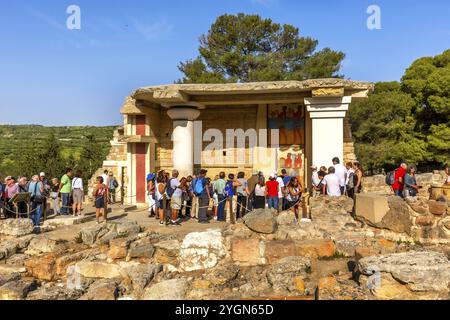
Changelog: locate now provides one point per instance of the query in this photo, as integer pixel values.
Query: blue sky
(54, 76)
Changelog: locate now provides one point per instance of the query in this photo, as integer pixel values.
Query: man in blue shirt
(202, 193)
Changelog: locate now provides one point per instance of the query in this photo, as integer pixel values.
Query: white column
(327, 116)
(183, 138)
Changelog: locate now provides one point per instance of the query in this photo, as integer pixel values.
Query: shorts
(175, 203)
(292, 204)
(100, 203)
(78, 196)
(160, 204)
(216, 199)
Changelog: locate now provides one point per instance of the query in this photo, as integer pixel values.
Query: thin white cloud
(265, 3)
(153, 31)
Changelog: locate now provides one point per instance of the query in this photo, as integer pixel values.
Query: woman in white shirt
(260, 195)
(78, 193)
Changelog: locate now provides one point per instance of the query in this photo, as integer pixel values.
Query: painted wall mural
(289, 119)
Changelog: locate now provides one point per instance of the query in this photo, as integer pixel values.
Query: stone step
(6, 269)
(67, 221)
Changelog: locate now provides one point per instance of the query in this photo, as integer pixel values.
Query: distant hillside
(16, 140)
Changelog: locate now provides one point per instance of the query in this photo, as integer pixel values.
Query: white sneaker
(305, 220)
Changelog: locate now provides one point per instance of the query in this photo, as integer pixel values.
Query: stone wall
(349, 147)
(221, 118)
(420, 219)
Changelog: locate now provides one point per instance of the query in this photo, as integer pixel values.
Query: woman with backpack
(112, 186)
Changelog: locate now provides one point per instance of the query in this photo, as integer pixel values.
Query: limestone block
(320, 248)
(371, 207)
(201, 250)
(277, 250)
(246, 252)
(98, 270)
(42, 268)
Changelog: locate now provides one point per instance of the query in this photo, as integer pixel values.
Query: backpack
(228, 191)
(390, 178)
(115, 184)
(170, 191)
(199, 186)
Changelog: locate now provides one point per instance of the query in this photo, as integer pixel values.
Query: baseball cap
(42, 174)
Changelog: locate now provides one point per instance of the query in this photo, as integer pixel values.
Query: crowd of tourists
(204, 198)
(64, 196)
(173, 199)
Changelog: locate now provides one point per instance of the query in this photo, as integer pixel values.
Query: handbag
(37, 198)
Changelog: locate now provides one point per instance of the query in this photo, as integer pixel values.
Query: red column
(141, 151)
(140, 125)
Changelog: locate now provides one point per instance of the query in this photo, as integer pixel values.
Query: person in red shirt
(399, 177)
(272, 192)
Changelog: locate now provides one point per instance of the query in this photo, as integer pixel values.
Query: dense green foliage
(29, 149)
(245, 48)
(407, 120)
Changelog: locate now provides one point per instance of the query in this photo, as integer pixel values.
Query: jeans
(203, 202)
(273, 202)
(112, 195)
(241, 210)
(65, 210)
(284, 204)
(36, 215)
(221, 208)
(188, 208)
(398, 193)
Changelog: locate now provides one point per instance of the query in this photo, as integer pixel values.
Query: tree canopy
(246, 48)
(407, 120)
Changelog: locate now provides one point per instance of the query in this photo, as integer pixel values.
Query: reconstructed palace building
(188, 126)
